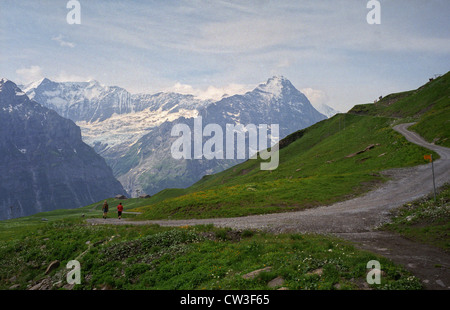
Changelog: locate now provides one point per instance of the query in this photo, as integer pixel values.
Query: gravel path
(356, 219)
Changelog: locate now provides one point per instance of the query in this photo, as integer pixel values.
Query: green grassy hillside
(428, 105)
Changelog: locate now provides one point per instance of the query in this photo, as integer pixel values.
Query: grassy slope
(429, 106)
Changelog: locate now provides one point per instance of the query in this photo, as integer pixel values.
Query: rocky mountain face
(133, 132)
(45, 164)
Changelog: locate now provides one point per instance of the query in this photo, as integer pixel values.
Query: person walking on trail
(119, 210)
(105, 209)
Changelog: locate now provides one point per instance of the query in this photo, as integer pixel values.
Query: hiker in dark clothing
(105, 209)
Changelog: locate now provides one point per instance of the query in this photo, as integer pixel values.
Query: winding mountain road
(357, 219)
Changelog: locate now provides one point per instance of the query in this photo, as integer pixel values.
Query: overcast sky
(326, 48)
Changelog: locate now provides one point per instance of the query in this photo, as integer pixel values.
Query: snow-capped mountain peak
(31, 85)
(9, 89)
(276, 86)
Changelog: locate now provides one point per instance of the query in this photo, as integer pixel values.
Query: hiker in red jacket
(119, 210)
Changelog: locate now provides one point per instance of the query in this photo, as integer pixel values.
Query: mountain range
(133, 131)
(45, 164)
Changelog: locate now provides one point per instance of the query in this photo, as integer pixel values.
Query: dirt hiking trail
(357, 219)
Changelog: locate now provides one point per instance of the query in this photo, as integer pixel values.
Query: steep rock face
(45, 164)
